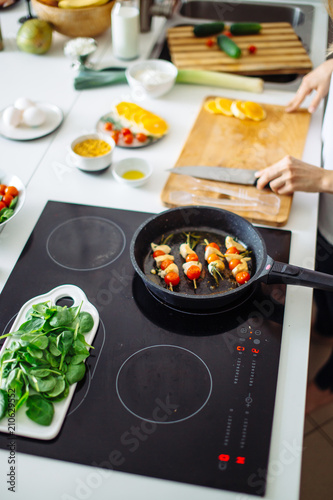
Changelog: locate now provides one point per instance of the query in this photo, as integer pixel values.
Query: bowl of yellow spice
(92, 152)
(132, 172)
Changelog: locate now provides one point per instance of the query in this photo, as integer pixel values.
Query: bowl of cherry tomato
(12, 196)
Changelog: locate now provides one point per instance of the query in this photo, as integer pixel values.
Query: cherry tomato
(12, 191)
(210, 42)
(126, 131)
(108, 126)
(193, 272)
(232, 250)
(7, 199)
(165, 263)
(2, 205)
(128, 138)
(214, 245)
(172, 278)
(141, 137)
(252, 49)
(227, 33)
(192, 256)
(157, 253)
(3, 188)
(242, 277)
(115, 135)
(212, 258)
(233, 263)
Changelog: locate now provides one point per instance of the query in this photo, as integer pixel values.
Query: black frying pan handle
(279, 272)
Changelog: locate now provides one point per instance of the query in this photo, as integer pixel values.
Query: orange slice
(211, 107)
(224, 105)
(154, 125)
(237, 109)
(254, 111)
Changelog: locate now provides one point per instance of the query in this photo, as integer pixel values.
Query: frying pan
(218, 222)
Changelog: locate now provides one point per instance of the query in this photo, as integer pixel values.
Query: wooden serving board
(279, 51)
(218, 140)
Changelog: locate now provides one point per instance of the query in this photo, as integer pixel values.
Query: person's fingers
(315, 102)
(295, 103)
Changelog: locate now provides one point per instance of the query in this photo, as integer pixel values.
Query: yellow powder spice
(91, 148)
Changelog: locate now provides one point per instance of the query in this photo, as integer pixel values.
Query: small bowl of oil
(132, 172)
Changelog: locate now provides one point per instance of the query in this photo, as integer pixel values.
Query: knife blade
(222, 174)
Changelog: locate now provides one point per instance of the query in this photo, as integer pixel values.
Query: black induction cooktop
(170, 395)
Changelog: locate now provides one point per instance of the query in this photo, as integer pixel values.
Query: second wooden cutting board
(218, 140)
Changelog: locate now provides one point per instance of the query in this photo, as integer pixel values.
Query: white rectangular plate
(23, 425)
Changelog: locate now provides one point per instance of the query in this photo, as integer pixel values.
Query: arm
(289, 175)
(319, 80)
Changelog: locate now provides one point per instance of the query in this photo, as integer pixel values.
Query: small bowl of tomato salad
(12, 197)
(92, 152)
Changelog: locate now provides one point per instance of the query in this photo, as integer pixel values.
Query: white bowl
(12, 180)
(151, 78)
(132, 164)
(91, 163)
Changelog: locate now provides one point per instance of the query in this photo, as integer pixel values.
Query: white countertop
(41, 164)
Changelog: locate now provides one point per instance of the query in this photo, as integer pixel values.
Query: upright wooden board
(218, 140)
(279, 51)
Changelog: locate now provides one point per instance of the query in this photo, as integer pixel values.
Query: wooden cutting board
(218, 140)
(279, 51)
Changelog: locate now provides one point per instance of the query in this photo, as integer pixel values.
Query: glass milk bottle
(125, 27)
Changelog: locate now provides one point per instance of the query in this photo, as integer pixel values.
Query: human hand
(319, 80)
(289, 175)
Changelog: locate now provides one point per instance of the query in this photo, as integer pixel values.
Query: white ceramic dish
(23, 425)
(152, 78)
(95, 163)
(53, 119)
(130, 164)
(13, 180)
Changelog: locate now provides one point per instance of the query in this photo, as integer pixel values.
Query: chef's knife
(233, 175)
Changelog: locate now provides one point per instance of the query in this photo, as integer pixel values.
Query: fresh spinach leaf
(39, 410)
(75, 373)
(3, 403)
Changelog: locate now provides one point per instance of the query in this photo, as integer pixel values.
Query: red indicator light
(255, 350)
(250, 338)
(240, 460)
(240, 348)
(224, 458)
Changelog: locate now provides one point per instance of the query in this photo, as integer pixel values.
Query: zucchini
(245, 28)
(208, 29)
(228, 46)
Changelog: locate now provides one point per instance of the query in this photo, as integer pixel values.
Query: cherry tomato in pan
(115, 135)
(108, 126)
(12, 191)
(214, 245)
(141, 137)
(192, 257)
(233, 263)
(2, 205)
(3, 188)
(126, 131)
(7, 199)
(193, 272)
(157, 253)
(165, 263)
(172, 278)
(242, 277)
(232, 250)
(128, 138)
(212, 258)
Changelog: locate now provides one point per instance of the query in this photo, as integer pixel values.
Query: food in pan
(192, 267)
(45, 357)
(166, 268)
(236, 256)
(214, 258)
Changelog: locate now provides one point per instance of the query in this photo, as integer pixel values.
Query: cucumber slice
(208, 29)
(228, 46)
(245, 28)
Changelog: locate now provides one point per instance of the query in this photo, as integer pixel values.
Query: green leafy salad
(45, 356)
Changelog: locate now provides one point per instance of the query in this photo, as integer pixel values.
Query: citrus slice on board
(254, 111)
(237, 110)
(211, 107)
(224, 105)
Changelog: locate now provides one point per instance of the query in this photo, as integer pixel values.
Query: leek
(218, 79)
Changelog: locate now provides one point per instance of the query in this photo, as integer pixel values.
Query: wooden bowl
(85, 22)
